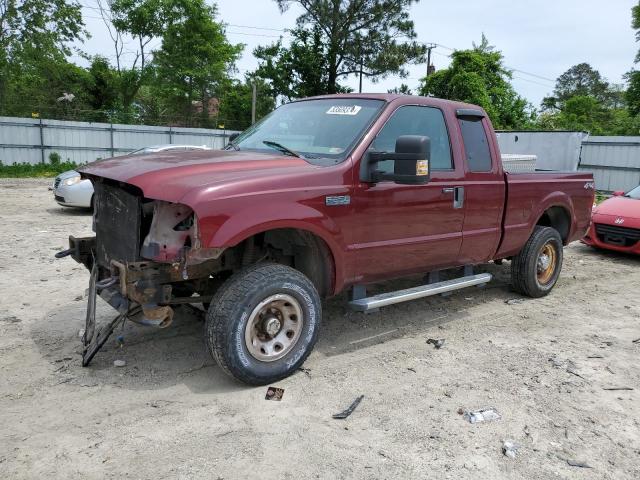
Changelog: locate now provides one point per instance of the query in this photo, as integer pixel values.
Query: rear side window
(416, 120)
(476, 145)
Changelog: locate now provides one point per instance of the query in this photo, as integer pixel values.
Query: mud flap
(92, 343)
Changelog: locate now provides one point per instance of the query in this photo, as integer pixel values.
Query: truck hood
(620, 207)
(169, 176)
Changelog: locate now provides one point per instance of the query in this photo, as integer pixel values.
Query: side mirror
(233, 136)
(618, 193)
(411, 162)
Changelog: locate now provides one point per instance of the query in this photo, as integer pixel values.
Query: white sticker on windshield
(344, 110)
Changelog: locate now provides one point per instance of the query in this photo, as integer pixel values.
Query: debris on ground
(10, 319)
(578, 463)
(637, 340)
(617, 388)
(514, 301)
(509, 449)
(119, 363)
(348, 411)
(411, 369)
(274, 393)
(438, 343)
(595, 356)
(306, 371)
(568, 365)
(482, 415)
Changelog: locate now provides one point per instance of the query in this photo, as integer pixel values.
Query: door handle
(458, 195)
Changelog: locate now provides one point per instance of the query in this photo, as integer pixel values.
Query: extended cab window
(416, 120)
(476, 145)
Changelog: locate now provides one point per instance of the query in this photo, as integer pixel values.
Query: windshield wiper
(282, 148)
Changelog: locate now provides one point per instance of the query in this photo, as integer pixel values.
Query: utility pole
(361, 69)
(430, 46)
(253, 103)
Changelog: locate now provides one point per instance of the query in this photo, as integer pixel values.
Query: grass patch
(39, 170)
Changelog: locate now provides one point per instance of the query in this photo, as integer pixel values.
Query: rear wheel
(263, 323)
(535, 270)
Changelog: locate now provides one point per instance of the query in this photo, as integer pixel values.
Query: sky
(540, 39)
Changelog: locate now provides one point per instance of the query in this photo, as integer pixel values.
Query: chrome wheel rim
(274, 327)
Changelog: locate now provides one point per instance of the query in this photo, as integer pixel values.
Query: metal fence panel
(26, 140)
(614, 162)
(554, 150)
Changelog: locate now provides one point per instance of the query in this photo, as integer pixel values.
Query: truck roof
(390, 97)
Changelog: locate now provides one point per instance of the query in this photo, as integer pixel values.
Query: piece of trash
(119, 363)
(608, 368)
(274, 393)
(460, 411)
(637, 340)
(514, 301)
(595, 356)
(348, 411)
(411, 369)
(438, 343)
(482, 415)
(577, 463)
(617, 388)
(306, 371)
(509, 449)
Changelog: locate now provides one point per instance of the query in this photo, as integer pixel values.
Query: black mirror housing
(411, 162)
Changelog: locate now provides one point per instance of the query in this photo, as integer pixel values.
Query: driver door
(404, 229)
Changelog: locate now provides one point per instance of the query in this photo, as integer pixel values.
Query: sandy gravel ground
(171, 413)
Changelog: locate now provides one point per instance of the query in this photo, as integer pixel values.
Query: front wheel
(535, 270)
(263, 323)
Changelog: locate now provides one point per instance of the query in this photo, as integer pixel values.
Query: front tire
(263, 323)
(535, 270)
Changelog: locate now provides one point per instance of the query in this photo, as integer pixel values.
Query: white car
(70, 190)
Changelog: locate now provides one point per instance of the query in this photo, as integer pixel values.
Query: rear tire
(535, 270)
(263, 323)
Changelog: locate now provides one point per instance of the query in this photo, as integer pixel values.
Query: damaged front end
(146, 257)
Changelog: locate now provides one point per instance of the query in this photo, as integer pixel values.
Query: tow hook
(64, 253)
(154, 315)
(107, 282)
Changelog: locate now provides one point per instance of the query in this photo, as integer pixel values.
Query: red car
(615, 223)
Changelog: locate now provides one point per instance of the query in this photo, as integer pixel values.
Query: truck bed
(529, 195)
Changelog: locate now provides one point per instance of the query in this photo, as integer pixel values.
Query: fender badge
(619, 221)
(589, 186)
(333, 201)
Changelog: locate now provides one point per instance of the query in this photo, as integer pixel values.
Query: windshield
(635, 193)
(312, 129)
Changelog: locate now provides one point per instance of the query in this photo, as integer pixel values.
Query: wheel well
(558, 218)
(300, 249)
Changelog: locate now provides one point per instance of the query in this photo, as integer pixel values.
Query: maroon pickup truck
(323, 195)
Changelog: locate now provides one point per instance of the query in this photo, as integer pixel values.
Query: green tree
(376, 37)
(194, 62)
(235, 103)
(478, 76)
(403, 89)
(581, 80)
(299, 70)
(35, 38)
(633, 77)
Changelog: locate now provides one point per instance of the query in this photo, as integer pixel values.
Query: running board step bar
(389, 298)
